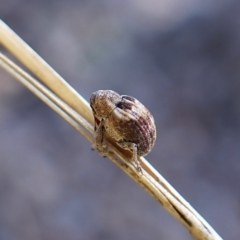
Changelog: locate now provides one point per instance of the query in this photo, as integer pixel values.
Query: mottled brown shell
(126, 119)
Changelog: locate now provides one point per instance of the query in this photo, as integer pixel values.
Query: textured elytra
(125, 119)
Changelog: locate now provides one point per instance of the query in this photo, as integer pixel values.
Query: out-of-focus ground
(182, 60)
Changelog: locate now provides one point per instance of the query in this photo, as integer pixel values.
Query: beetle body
(125, 119)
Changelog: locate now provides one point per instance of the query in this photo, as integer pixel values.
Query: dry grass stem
(67, 113)
(63, 99)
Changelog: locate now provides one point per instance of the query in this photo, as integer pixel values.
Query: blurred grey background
(179, 58)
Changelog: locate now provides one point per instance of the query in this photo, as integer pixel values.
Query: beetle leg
(100, 140)
(133, 148)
